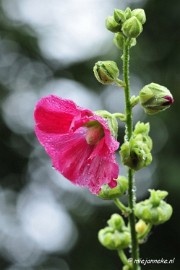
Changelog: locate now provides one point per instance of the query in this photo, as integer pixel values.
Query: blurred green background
(51, 47)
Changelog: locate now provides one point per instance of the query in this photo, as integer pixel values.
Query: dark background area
(24, 71)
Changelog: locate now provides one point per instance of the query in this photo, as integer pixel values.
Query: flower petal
(54, 115)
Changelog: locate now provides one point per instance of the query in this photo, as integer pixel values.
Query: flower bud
(132, 28)
(116, 222)
(155, 98)
(114, 240)
(112, 25)
(140, 15)
(119, 40)
(108, 193)
(136, 152)
(128, 13)
(106, 72)
(116, 235)
(119, 15)
(154, 210)
(141, 227)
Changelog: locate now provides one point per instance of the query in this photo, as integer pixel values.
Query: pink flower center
(94, 133)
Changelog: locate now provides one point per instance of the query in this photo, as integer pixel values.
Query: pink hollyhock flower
(78, 141)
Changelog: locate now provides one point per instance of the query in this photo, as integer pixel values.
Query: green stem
(123, 258)
(122, 207)
(129, 130)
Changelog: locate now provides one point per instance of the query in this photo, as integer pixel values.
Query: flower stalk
(129, 129)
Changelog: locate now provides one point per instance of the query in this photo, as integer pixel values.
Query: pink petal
(54, 115)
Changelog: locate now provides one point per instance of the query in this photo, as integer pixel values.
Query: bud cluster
(116, 235)
(126, 24)
(136, 153)
(154, 210)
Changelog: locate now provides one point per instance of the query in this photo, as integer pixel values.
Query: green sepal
(108, 193)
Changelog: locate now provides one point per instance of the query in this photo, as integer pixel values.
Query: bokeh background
(47, 47)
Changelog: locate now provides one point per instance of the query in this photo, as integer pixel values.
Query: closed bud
(108, 193)
(116, 222)
(155, 98)
(116, 235)
(119, 40)
(132, 28)
(128, 13)
(106, 72)
(154, 210)
(140, 15)
(114, 240)
(119, 15)
(112, 25)
(141, 227)
(136, 153)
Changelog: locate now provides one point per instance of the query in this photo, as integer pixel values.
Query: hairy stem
(129, 130)
(123, 258)
(122, 207)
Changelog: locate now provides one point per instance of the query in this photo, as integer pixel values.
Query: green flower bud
(112, 25)
(154, 210)
(114, 240)
(116, 235)
(141, 128)
(119, 16)
(140, 15)
(128, 13)
(119, 40)
(108, 193)
(116, 222)
(134, 100)
(155, 98)
(132, 28)
(135, 154)
(106, 72)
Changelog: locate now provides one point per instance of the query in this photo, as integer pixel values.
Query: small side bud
(119, 40)
(119, 16)
(141, 227)
(132, 28)
(140, 15)
(108, 193)
(106, 72)
(155, 98)
(112, 25)
(134, 100)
